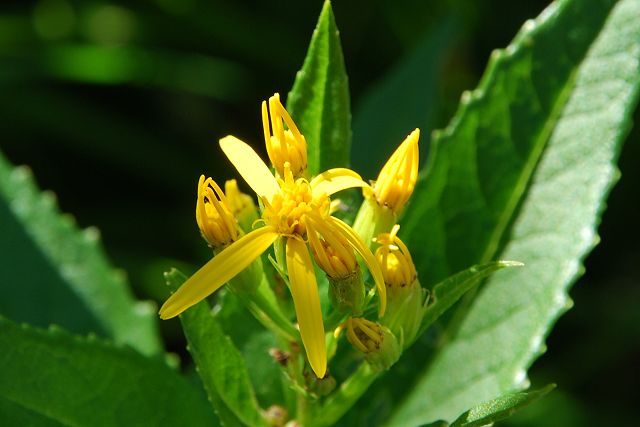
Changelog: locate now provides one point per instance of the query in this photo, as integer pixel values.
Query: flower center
(287, 209)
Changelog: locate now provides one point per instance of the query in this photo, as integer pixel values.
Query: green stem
(263, 306)
(345, 397)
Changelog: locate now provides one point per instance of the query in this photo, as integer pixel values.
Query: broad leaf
(450, 290)
(220, 364)
(54, 273)
(499, 408)
(50, 377)
(319, 99)
(522, 173)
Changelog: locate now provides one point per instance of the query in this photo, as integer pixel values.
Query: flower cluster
(296, 219)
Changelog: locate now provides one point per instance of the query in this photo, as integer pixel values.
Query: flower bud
(405, 296)
(276, 416)
(398, 176)
(336, 257)
(321, 386)
(377, 342)
(214, 215)
(283, 145)
(386, 198)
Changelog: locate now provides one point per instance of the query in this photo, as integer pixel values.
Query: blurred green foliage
(117, 107)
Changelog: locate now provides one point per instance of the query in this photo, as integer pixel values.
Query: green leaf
(50, 377)
(319, 99)
(449, 291)
(386, 115)
(254, 342)
(220, 364)
(499, 408)
(54, 273)
(21, 416)
(522, 173)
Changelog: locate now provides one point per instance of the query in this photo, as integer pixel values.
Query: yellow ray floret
(219, 270)
(306, 300)
(250, 166)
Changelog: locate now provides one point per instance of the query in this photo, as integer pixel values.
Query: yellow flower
(283, 145)
(214, 216)
(398, 176)
(289, 206)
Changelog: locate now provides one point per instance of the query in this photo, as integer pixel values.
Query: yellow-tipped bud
(379, 345)
(214, 215)
(406, 298)
(336, 257)
(398, 176)
(283, 145)
(332, 252)
(395, 260)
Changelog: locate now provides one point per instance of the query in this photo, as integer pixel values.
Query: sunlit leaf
(319, 99)
(522, 173)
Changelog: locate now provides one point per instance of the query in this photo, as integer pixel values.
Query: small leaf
(54, 273)
(52, 377)
(499, 408)
(220, 364)
(449, 291)
(319, 99)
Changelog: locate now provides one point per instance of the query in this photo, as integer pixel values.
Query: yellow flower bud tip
(332, 252)
(283, 145)
(364, 334)
(214, 215)
(395, 260)
(398, 176)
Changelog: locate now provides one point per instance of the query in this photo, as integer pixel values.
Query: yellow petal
(218, 271)
(367, 256)
(304, 291)
(250, 166)
(334, 180)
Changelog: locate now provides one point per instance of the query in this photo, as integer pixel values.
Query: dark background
(117, 107)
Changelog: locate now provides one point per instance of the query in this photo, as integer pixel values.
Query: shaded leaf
(54, 273)
(319, 99)
(50, 377)
(404, 99)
